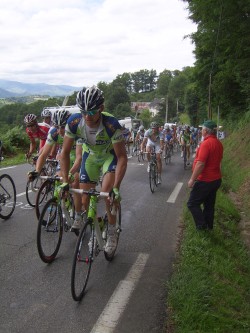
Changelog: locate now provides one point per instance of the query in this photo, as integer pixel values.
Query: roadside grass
(210, 287)
(14, 160)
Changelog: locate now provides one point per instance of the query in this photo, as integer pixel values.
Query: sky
(83, 42)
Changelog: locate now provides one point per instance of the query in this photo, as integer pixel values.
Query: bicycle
(167, 153)
(32, 187)
(91, 241)
(7, 193)
(153, 172)
(45, 192)
(56, 217)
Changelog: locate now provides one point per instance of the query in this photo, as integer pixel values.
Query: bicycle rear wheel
(31, 194)
(118, 230)
(49, 231)
(82, 261)
(152, 177)
(7, 196)
(45, 193)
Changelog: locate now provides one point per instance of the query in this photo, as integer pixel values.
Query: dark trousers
(203, 193)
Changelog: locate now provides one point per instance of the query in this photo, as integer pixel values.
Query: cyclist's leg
(108, 170)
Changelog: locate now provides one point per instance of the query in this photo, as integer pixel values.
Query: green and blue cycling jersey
(98, 151)
(54, 138)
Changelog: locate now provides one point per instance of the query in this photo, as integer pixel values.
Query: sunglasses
(31, 125)
(90, 113)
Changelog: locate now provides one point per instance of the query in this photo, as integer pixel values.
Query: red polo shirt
(210, 152)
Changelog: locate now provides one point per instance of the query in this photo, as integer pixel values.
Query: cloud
(81, 42)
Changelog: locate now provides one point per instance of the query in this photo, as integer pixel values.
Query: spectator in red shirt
(35, 131)
(206, 177)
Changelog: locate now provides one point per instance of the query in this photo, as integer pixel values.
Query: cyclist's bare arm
(78, 160)
(42, 157)
(65, 157)
(122, 160)
(32, 146)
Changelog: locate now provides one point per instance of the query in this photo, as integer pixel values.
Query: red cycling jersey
(41, 133)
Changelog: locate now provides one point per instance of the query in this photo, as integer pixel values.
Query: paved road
(127, 295)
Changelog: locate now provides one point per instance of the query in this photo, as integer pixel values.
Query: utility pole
(209, 97)
(166, 118)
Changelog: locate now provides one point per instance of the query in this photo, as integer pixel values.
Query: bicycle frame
(91, 216)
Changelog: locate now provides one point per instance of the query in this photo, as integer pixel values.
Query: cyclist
(127, 135)
(168, 138)
(46, 115)
(186, 140)
(35, 131)
(139, 136)
(154, 138)
(103, 150)
(55, 138)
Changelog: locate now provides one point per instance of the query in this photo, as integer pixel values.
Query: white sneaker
(111, 244)
(148, 168)
(77, 223)
(182, 154)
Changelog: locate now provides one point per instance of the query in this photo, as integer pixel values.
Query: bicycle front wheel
(49, 231)
(152, 178)
(82, 261)
(45, 193)
(7, 196)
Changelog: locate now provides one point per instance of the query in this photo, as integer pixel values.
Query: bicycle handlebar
(89, 192)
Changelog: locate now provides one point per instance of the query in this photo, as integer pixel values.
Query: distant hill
(17, 89)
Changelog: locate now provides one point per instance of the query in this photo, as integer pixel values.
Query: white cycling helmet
(166, 126)
(89, 99)
(141, 128)
(45, 113)
(30, 119)
(60, 117)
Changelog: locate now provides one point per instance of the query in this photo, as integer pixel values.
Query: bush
(13, 139)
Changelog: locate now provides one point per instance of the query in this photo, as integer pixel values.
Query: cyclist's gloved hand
(32, 175)
(116, 194)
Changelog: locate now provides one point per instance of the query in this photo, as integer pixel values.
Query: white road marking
(20, 194)
(175, 193)
(108, 319)
(11, 167)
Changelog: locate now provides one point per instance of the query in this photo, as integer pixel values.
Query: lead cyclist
(103, 152)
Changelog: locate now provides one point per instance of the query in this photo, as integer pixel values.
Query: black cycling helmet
(154, 124)
(60, 117)
(89, 99)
